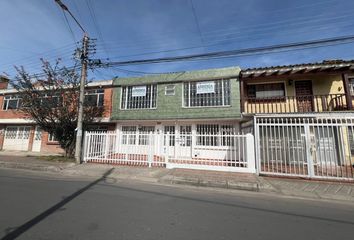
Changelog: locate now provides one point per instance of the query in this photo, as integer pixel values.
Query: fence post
(250, 152)
(151, 149)
(166, 145)
(84, 152)
(106, 149)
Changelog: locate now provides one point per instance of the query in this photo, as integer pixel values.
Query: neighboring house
(19, 132)
(302, 116)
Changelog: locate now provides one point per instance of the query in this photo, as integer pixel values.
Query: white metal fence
(307, 146)
(228, 152)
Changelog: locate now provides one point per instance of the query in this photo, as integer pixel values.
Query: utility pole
(84, 62)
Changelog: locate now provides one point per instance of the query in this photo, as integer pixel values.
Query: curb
(33, 167)
(226, 184)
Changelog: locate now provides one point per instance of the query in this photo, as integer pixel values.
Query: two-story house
(303, 118)
(196, 109)
(19, 132)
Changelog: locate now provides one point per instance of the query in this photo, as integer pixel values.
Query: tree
(52, 102)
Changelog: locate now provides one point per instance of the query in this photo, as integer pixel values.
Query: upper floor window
(270, 90)
(139, 97)
(94, 98)
(11, 102)
(207, 93)
(50, 100)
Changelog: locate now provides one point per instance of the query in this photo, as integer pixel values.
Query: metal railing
(228, 152)
(296, 104)
(315, 147)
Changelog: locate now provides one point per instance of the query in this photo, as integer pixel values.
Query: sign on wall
(205, 87)
(139, 91)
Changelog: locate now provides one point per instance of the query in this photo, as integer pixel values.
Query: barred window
(170, 131)
(132, 135)
(144, 134)
(207, 93)
(139, 97)
(94, 98)
(11, 102)
(129, 135)
(215, 135)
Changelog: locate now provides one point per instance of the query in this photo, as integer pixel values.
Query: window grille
(170, 130)
(185, 133)
(217, 93)
(144, 134)
(131, 135)
(132, 99)
(215, 135)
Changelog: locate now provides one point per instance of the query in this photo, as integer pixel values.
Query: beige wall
(321, 85)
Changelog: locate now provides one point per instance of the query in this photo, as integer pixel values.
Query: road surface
(42, 206)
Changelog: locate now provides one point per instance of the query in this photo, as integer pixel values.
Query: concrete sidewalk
(31, 163)
(199, 178)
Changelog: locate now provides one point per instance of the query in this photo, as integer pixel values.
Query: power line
(226, 54)
(238, 52)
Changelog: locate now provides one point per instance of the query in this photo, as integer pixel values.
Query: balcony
(296, 104)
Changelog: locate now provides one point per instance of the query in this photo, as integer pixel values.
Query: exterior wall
(107, 102)
(326, 90)
(171, 107)
(49, 147)
(9, 114)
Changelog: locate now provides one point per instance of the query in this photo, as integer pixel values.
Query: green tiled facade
(171, 107)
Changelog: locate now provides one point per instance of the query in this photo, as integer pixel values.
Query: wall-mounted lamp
(290, 82)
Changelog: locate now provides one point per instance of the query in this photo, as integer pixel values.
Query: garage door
(17, 138)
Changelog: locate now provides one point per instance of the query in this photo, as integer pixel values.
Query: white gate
(308, 146)
(164, 149)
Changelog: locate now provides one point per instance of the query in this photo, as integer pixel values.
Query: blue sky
(140, 29)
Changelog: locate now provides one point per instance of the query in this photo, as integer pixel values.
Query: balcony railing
(296, 104)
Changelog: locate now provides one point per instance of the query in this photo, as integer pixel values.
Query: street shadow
(57, 207)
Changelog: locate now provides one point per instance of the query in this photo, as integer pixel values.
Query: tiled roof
(326, 65)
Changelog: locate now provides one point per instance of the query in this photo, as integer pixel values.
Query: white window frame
(7, 99)
(51, 138)
(99, 93)
(215, 135)
(151, 103)
(218, 101)
(137, 135)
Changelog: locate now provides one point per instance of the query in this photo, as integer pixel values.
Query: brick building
(19, 132)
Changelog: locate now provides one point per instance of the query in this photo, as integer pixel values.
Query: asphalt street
(41, 206)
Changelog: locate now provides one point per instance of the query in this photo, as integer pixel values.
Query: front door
(304, 98)
(37, 140)
(184, 142)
